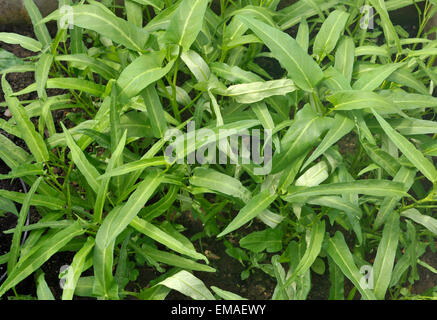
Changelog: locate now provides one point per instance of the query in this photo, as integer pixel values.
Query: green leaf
(7, 205)
(330, 33)
(303, 35)
(85, 167)
(103, 259)
(186, 23)
(196, 64)
(118, 220)
(33, 140)
(341, 127)
(428, 222)
(142, 72)
(164, 238)
(170, 259)
(226, 295)
(42, 253)
(189, 285)
(105, 22)
(134, 13)
(345, 57)
(38, 200)
(390, 33)
(25, 42)
(378, 188)
(67, 84)
(42, 289)
(24, 170)
(155, 111)
(269, 239)
(253, 207)
(83, 61)
(300, 137)
(339, 252)
(381, 158)
(385, 256)
(311, 253)
(314, 175)
(409, 150)
(42, 69)
(219, 182)
(41, 31)
(76, 269)
(16, 238)
(352, 100)
(158, 208)
(134, 166)
(336, 277)
(302, 69)
(371, 80)
(10, 63)
(258, 91)
(104, 183)
(404, 77)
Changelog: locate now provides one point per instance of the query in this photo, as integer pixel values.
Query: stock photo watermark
(367, 20)
(366, 282)
(67, 17)
(222, 146)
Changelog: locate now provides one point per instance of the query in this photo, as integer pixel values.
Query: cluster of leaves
(104, 191)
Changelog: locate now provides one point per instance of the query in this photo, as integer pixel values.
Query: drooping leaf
(301, 68)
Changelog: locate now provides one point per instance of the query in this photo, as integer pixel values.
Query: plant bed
(348, 190)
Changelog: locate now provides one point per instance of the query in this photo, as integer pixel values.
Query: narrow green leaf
(409, 150)
(311, 253)
(186, 23)
(75, 269)
(219, 182)
(171, 259)
(189, 285)
(385, 256)
(41, 31)
(33, 140)
(105, 22)
(85, 167)
(371, 80)
(42, 69)
(428, 222)
(43, 291)
(155, 111)
(134, 166)
(258, 91)
(16, 238)
(253, 207)
(378, 188)
(354, 99)
(302, 69)
(25, 42)
(329, 34)
(83, 61)
(226, 295)
(336, 277)
(338, 250)
(341, 127)
(32, 262)
(164, 238)
(104, 183)
(118, 220)
(345, 57)
(142, 72)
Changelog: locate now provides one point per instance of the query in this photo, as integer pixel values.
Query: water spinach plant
(339, 100)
